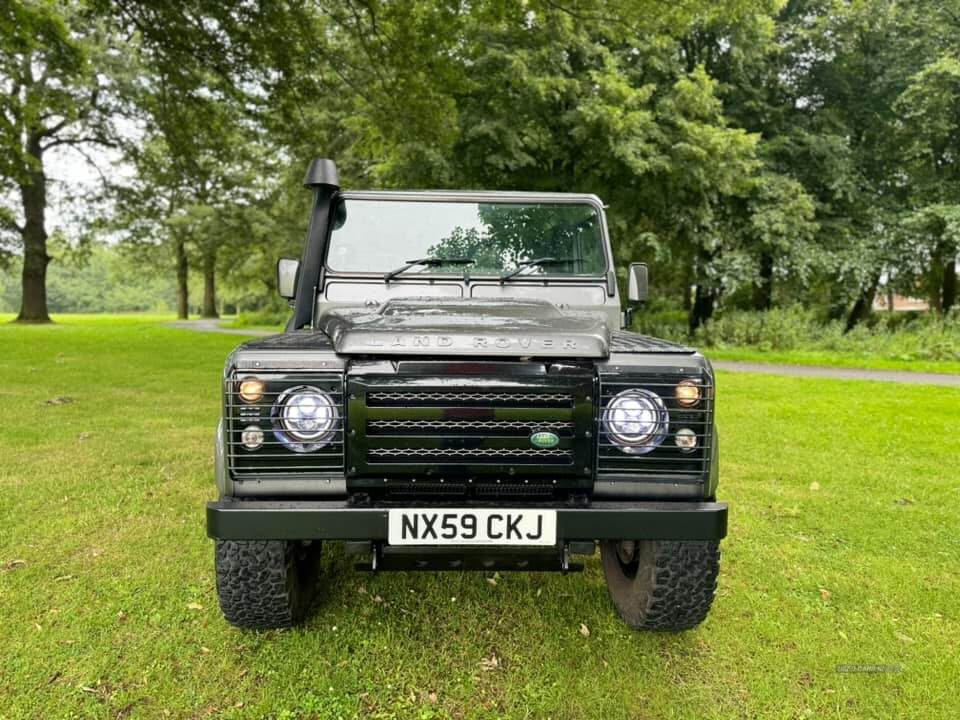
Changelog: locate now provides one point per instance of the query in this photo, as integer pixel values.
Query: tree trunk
(864, 304)
(686, 281)
(937, 277)
(949, 297)
(763, 288)
(33, 194)
(209, 285)
(183, 288)
(838, 302)
(703, 305)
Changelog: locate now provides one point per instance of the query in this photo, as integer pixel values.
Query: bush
(269, 318)
(899, 336)
(780, 329)
(668, 324)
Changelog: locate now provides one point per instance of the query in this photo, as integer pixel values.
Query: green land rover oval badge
(544, 440)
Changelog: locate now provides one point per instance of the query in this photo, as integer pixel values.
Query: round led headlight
(304, 418)
(636, 421)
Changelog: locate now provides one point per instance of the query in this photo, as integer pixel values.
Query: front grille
(454, 399)
(483, 490)
(513, 490)
(440, 422)
(470, 427)
(667, 462)
(515, 455)
(435, 488)
(274, 458)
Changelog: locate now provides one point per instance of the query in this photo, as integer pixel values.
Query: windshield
(379, 236)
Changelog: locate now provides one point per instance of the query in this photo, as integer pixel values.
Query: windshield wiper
(539, 262)
(427, 262)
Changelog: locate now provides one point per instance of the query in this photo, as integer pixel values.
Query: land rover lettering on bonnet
(457, 389)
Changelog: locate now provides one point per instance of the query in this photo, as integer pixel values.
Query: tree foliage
(755, 152)
(59, 88)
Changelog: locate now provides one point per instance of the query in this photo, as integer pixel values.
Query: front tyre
(265, 584)
(661, 584)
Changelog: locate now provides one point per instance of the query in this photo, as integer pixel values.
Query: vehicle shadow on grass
(345, 580)
(342, 574)
(538, 642)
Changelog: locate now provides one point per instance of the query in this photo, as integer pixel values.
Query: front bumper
(338, 520)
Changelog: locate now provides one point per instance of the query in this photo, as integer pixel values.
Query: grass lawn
(844, 548)
(825, 358)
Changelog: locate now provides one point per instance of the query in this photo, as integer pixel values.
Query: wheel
(661, 584)
(265, 584)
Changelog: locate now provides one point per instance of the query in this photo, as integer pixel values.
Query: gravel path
(810, 371)
(213, 325)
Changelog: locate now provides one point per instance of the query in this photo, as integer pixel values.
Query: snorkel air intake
(322, 177)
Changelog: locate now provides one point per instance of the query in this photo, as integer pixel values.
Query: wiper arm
(539, 262)
(427, 262)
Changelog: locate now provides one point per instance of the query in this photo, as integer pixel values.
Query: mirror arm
(628, 314)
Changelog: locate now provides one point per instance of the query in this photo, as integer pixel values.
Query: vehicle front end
(438, 421)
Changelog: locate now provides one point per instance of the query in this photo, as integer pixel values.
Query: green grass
(108, 604)
(832, 358)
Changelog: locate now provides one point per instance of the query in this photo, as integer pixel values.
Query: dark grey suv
(456, 390)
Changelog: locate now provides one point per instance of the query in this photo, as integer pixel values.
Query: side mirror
(287, 271)
(637, 289)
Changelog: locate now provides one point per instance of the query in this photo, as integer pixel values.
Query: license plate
(471, 527)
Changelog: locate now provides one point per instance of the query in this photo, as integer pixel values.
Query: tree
(196, 193)
(595, 96)
(143, 208)
(929, 125)
(846, 67)
(207, 172)
(56, 90)
(754, 151)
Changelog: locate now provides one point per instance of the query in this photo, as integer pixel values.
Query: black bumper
(338, 520)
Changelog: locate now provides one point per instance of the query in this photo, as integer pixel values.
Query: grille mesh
(458, 398)
(445, 453)
(512, 427)
(478, 427)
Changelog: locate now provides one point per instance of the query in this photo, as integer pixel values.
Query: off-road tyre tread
(265, 584)
(674, 585)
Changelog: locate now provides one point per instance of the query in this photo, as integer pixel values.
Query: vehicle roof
(473, 195)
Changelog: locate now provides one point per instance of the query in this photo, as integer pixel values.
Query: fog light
(686, 440)
(687, 393)
(252, 437)
(251, 389)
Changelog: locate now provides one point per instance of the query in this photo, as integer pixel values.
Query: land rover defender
(457, 389)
